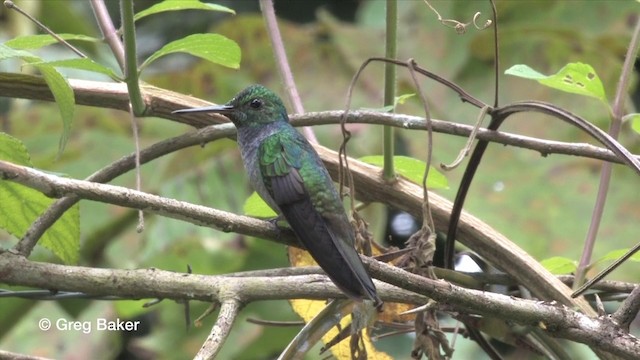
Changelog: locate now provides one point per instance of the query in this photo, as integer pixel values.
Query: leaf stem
(391, 51)
(131, 65)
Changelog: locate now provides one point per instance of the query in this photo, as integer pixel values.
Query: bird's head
(253, 106)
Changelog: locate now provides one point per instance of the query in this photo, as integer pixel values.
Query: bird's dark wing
(327, 235)
(280, 161)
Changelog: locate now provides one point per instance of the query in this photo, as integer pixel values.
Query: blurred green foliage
(542, 204)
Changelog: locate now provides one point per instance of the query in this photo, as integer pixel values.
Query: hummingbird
(289, 176)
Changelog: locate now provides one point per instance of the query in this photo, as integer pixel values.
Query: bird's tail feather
(336, 256)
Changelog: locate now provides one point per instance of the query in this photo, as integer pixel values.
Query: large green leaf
(21, 205)
(29, 42)
(576, 78)
(212, 47)
(174, 5)
(59, 86)
(412, 169)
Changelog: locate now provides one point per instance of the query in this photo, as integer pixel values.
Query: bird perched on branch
(288, 174)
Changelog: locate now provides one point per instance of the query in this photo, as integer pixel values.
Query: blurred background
(543, 204)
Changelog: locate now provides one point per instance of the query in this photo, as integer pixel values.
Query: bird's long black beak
(219, 109)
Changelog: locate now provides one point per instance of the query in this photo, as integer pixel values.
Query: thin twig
(628, 311)
(110, 172)
(427, 217)
(390, 51)
(282, 64)
(496, 53)
(584, 287)
(108, 31)
(10, 5)
(467, 146)
(605, 173)
(134, 129)
(127, 163)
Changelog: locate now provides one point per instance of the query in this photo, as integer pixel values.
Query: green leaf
(397, 100)
(9, 53)
(37, 41)
(558, 265)
(402, 99)
(256, 207)
(412, 169)
(173, 5)
(13, 150)
(617, 254)
(21, 206)
(63, 94)
(634, 119)
(212, 47)
(576, 78)
(81, 64)
(59, 86)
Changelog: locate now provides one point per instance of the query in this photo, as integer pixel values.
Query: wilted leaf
(307, 310)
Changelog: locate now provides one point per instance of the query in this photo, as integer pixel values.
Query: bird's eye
(256, 103)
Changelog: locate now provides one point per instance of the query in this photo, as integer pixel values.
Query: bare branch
(161, 103)
(6, 355)
(54, 186)
(557, 320)
(402, 194)
(229, 311)
(110, 172)
(155, 283)
(628, 311)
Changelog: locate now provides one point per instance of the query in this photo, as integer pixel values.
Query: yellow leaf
(308, 309)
